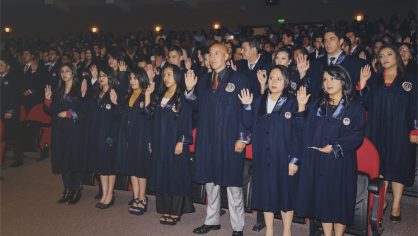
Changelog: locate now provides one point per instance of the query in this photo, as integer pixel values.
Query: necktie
(331, 60)
(215, 81)
(252, 66)
(50, 67)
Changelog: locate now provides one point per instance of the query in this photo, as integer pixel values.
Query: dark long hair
(178, 77)
(60, 91)
(339, 73)
(400, 68)
(111, 80)
(142, 77)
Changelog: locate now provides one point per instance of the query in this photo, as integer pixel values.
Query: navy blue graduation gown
(219, 127)
(392, 114)
(171, 174)
(134, 141)
(101, 135)
(275, 144)
(328, 182)
(66, 134)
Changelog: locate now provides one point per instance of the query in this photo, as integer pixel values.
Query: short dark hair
(253, 42)
(176, 48)
(339, 33)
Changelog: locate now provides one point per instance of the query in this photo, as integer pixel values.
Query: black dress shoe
(259, 226)
(206, 228)
(237, 233)
(76, 197)
(66, 195)
(17, 163)
(395, 219)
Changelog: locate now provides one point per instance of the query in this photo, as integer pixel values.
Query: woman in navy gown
(134, 141)
(171, 134)
(333, 130)
(392, 126)
(275, 148)
(101, 135)
(64, 106)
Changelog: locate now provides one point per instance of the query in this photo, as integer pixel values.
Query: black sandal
(173, 220)
(139, 210)
(163, 220)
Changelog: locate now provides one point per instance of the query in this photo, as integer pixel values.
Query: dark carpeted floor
(28, 207)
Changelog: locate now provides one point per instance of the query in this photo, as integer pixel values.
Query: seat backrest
(37, 114)
(368, 159)
(22, 113)
(249, 151)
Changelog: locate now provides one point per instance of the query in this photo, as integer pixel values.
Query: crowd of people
(128, 104)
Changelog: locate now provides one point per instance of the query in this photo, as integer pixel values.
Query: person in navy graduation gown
(64, 106)
(275, 148)
(171, 175)
(391, 101)
(134, 141)
(333, 130)
(101, 135)
(220, 137)
(333, 40)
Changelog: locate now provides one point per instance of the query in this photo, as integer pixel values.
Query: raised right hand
(94, 72)
(302, 97)
(365, 74)
(83, 88)
(48, 92)
(150, 89)
(190, 79)
(246, 97)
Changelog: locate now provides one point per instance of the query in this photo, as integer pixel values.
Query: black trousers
(174, 205)
(72, 180)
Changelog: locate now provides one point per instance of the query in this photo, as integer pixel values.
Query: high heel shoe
(395, 219)
(65, 196)
(105, 206)
(139, 210)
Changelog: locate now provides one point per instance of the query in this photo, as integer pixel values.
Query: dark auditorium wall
(27, 17)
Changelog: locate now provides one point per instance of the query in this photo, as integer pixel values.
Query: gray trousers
(235, 206)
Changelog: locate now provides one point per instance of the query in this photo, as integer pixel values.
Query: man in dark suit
(30, 80)
(319, 50)
(52, 69)
(253, 61)
(357, 50)
(9, 110)
(333, 41)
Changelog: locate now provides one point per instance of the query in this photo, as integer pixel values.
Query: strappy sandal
(172, 220)
(136, 210)
(133, 209)
(163, 220)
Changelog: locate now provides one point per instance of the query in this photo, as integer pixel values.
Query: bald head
(219, 46)
(218, 56)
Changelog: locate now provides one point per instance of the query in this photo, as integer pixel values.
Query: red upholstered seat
(37, 114)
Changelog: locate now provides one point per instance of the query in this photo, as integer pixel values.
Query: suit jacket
(262, 64)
